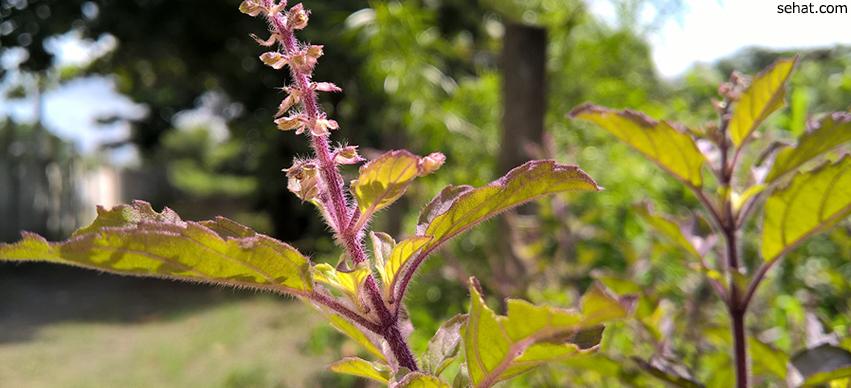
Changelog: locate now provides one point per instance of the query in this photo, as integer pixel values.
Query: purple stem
(340, 210)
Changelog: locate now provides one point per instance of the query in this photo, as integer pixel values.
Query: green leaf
(673, 150)
(820, 365)
(443, 347)
(598, 306)
(347, 282)
(739, 200)
(668, 228)
(810, 203)
(357, 335)
(441, 203)
(764, 96)
(399, 257)
(459, 208)
(359, 367)
(135, 240)
(767, 358)
(383, 180)
(831, 132)
(390, 257)
(668, 371)
(498, 348)
(420, 380)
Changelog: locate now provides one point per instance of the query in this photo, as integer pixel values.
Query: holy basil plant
(363, 295)
(802, 188)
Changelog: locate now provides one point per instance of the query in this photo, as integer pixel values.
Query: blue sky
(705, 31)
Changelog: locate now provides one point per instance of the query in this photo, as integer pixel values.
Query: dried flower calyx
(297, 17)
(256, 7)
(347, 155)
(303, 179)
(301, 123)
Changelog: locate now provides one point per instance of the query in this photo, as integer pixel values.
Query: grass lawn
(97, 330)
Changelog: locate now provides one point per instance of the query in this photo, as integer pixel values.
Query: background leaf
(763, 97)
(768, 359)
(820, 365)
(664, 370)
(668, 228)
(673, 150)
(136, 240)
(830, 132)
(813, 201)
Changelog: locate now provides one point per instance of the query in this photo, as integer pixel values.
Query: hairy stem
(729, 224)
(740, 351)
(737, 308)
(344, 311)
(341, 212)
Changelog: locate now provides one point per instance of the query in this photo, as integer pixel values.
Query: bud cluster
(298, 111)
(733, 89)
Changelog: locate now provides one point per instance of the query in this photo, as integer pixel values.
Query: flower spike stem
(326, 187)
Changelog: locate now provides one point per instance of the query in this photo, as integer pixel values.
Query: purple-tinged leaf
(136, 240)
(383, 180)
(459, 208)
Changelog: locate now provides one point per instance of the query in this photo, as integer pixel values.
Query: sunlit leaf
(399, 257)
(739, 200)
(443, 347)
(390, 257)
(764, 96)
(810, 203)
(383, 180)
(670, 148)
(357, 335)
(831, 132)
(440, 204)
(359, 367)
(461, 208)
(668, 228)
(820, 365)
(347, 282)
(136, 240)
(501, 347)
(420, 380)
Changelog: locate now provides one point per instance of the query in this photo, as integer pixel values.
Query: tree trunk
(524, 106)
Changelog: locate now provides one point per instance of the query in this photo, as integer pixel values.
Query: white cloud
(709, 30)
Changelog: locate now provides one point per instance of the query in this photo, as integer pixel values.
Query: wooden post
(524, 105)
